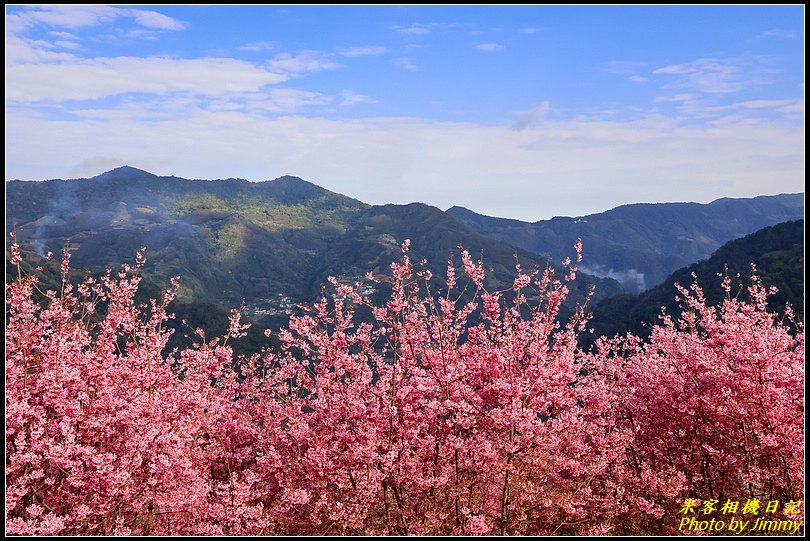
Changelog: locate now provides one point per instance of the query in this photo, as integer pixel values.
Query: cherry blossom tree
(445, 410)
(718, 396)
(428, 420)
(104, 434)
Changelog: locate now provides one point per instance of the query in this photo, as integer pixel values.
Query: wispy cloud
(146, 25)
(623, 67)
(379, 160)
(490, 47)
(85, 79)
(348, 98)
(82, 16)
(630, 68)
(783, 106)
(305, 61)
(61, 17)
(421, 29)
(64, 35)
(777, 33)
(286, 100)
(416, 29)
(257, 46)
(374, 50)
(531, 30)
(65, 44)
(708, 75)
(23, 50)
(153, 19)
(675, 98)
(532, 117)
(34, 65)
(67, 110)
(139, 33)
(406, 63)
(710, 111)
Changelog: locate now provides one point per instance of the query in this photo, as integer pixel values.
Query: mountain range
(641, 244)
(273, 244)
(270, 244)
(776, 251)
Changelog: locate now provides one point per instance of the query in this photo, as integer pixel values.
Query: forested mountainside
(641, 244)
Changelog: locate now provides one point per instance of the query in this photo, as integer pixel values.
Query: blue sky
(525, 112)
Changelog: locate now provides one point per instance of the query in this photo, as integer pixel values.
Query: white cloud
(491, 169)
(302, 62)
(406, 63)
(787, 108)
(777, 33)
(19, 50)
(153, 19)
(675, 98)
(61, 16)
(82, 79)
(82, 16)
(630, 278)
(707, 75)
(421, 29)
(64, 44)
(630, 68)
(415, 29)
(490, 47)
(532, 117)
(374, 50)
(530, 30)
(623, 67)
(697, 106)
(352, 98)
(64, 35)
(795, 108)
(222, 117)
(286, 100)
(46, 71)
(781, 105)
(139, 33)
(763, 104)
(257, 46)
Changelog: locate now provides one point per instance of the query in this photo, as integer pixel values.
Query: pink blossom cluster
(453, 410)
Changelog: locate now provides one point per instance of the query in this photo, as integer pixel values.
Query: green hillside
(777, 251)
(641, 244)
(270, 244)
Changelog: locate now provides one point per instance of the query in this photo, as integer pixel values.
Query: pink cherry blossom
(460, 411)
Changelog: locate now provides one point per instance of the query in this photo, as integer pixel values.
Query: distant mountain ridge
(270, 243)
(777, 251)
(641, 244)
